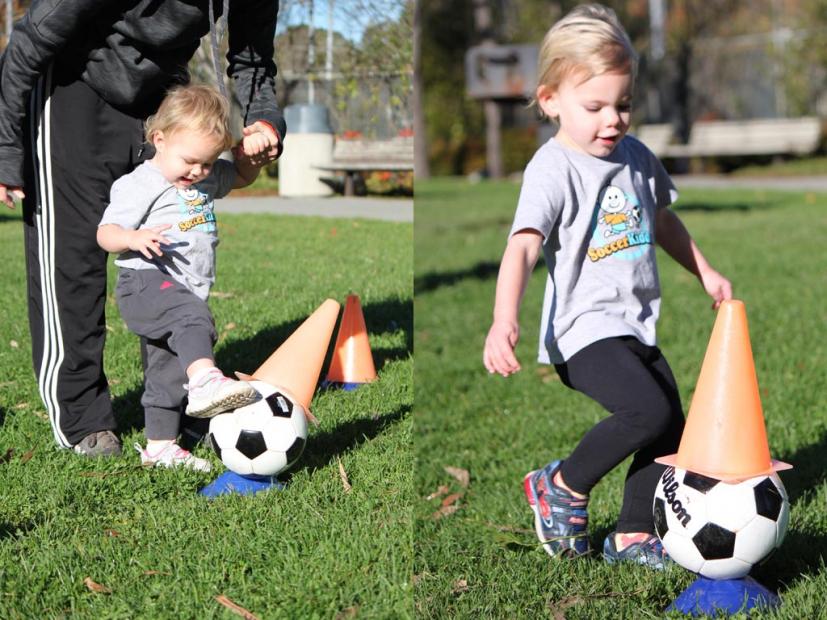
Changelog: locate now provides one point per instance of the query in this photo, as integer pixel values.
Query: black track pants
(77, 145)
(634, 383)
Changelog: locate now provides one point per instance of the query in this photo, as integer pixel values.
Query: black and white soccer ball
(718, 529)
(261, 439)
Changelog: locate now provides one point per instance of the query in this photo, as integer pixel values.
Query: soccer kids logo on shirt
(198, 209)
(617, 226)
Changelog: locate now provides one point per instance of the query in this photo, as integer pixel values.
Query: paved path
(395, 209)
(801, 184)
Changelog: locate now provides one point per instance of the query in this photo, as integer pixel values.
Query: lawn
(475, 551)
(154, 547)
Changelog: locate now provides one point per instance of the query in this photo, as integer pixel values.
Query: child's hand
(8, 194)
(146, 240)
(498, 355)
(716, 286)
(254, 144)
(259, 144)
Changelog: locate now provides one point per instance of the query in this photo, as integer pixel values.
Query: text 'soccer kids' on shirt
(144, 198)
(597, 218)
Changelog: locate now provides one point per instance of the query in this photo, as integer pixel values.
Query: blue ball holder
(230, 483)
(711, 596)
(347, 387)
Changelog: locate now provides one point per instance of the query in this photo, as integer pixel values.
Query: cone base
(672, 461)
(230, 482)
(711, 596)
(347, 386)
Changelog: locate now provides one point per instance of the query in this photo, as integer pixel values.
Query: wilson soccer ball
(261, 439)
(718, 529)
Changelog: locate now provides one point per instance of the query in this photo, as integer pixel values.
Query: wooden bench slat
(776, 136)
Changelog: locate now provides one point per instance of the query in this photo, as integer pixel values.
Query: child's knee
(657, 420)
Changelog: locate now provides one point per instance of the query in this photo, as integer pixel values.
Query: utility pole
(311, 56)
(328, 59)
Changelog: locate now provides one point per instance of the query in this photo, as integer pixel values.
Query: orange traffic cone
(352, 363)
(296, 364)
(725, 436)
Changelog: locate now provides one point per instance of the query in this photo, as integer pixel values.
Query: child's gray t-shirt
(597, 218)
(144, 198)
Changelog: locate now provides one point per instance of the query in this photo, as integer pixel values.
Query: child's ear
(158, 141)
(548, 101)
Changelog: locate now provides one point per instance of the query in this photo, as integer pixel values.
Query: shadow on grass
(10, 216)
(10, 530)
(799, 557)
(724, 207)
(486, 270)
(324, 447)
(246, 355)
(809, 468)
(708, 208)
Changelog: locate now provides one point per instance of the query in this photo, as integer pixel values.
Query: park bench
(354, 156)
(765, 136)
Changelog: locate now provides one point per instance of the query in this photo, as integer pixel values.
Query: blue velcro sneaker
(560, 519)
(649, 552)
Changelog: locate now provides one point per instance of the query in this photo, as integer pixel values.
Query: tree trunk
(422, 168)
(484, 23)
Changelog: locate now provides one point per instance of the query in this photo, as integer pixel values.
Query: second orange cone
(725, 437)
(352, 363)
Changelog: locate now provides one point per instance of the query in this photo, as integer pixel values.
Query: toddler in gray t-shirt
(161, 222)
(595, 201)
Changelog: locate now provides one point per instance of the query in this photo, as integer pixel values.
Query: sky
(350, 17)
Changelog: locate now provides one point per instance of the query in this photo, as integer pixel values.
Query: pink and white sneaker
(172, 455)
(213, 393)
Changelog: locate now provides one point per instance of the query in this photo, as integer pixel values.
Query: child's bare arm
(518, 261)
(246, 170)
(673, 237)
(147, 241)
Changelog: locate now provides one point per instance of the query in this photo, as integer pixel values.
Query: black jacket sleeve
(42, 32)
(252, 31)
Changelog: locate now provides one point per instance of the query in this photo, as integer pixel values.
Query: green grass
(483, 560)
(798, 166)
(310, 551)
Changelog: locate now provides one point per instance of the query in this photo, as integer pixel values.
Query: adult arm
(46, 28)
(252, 31)
(673, 237)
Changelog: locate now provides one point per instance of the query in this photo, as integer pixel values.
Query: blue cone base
(711, 596)
(347, 387)
(230, 482)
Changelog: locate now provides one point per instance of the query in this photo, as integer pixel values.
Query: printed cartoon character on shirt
(617, 229)
(617, 218)
(196, 209)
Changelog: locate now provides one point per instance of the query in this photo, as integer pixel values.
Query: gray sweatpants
(176, 328)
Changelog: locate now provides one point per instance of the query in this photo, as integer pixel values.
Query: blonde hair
(196, 107)
(588, 41)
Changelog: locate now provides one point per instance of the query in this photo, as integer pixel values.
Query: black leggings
(634, 383)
